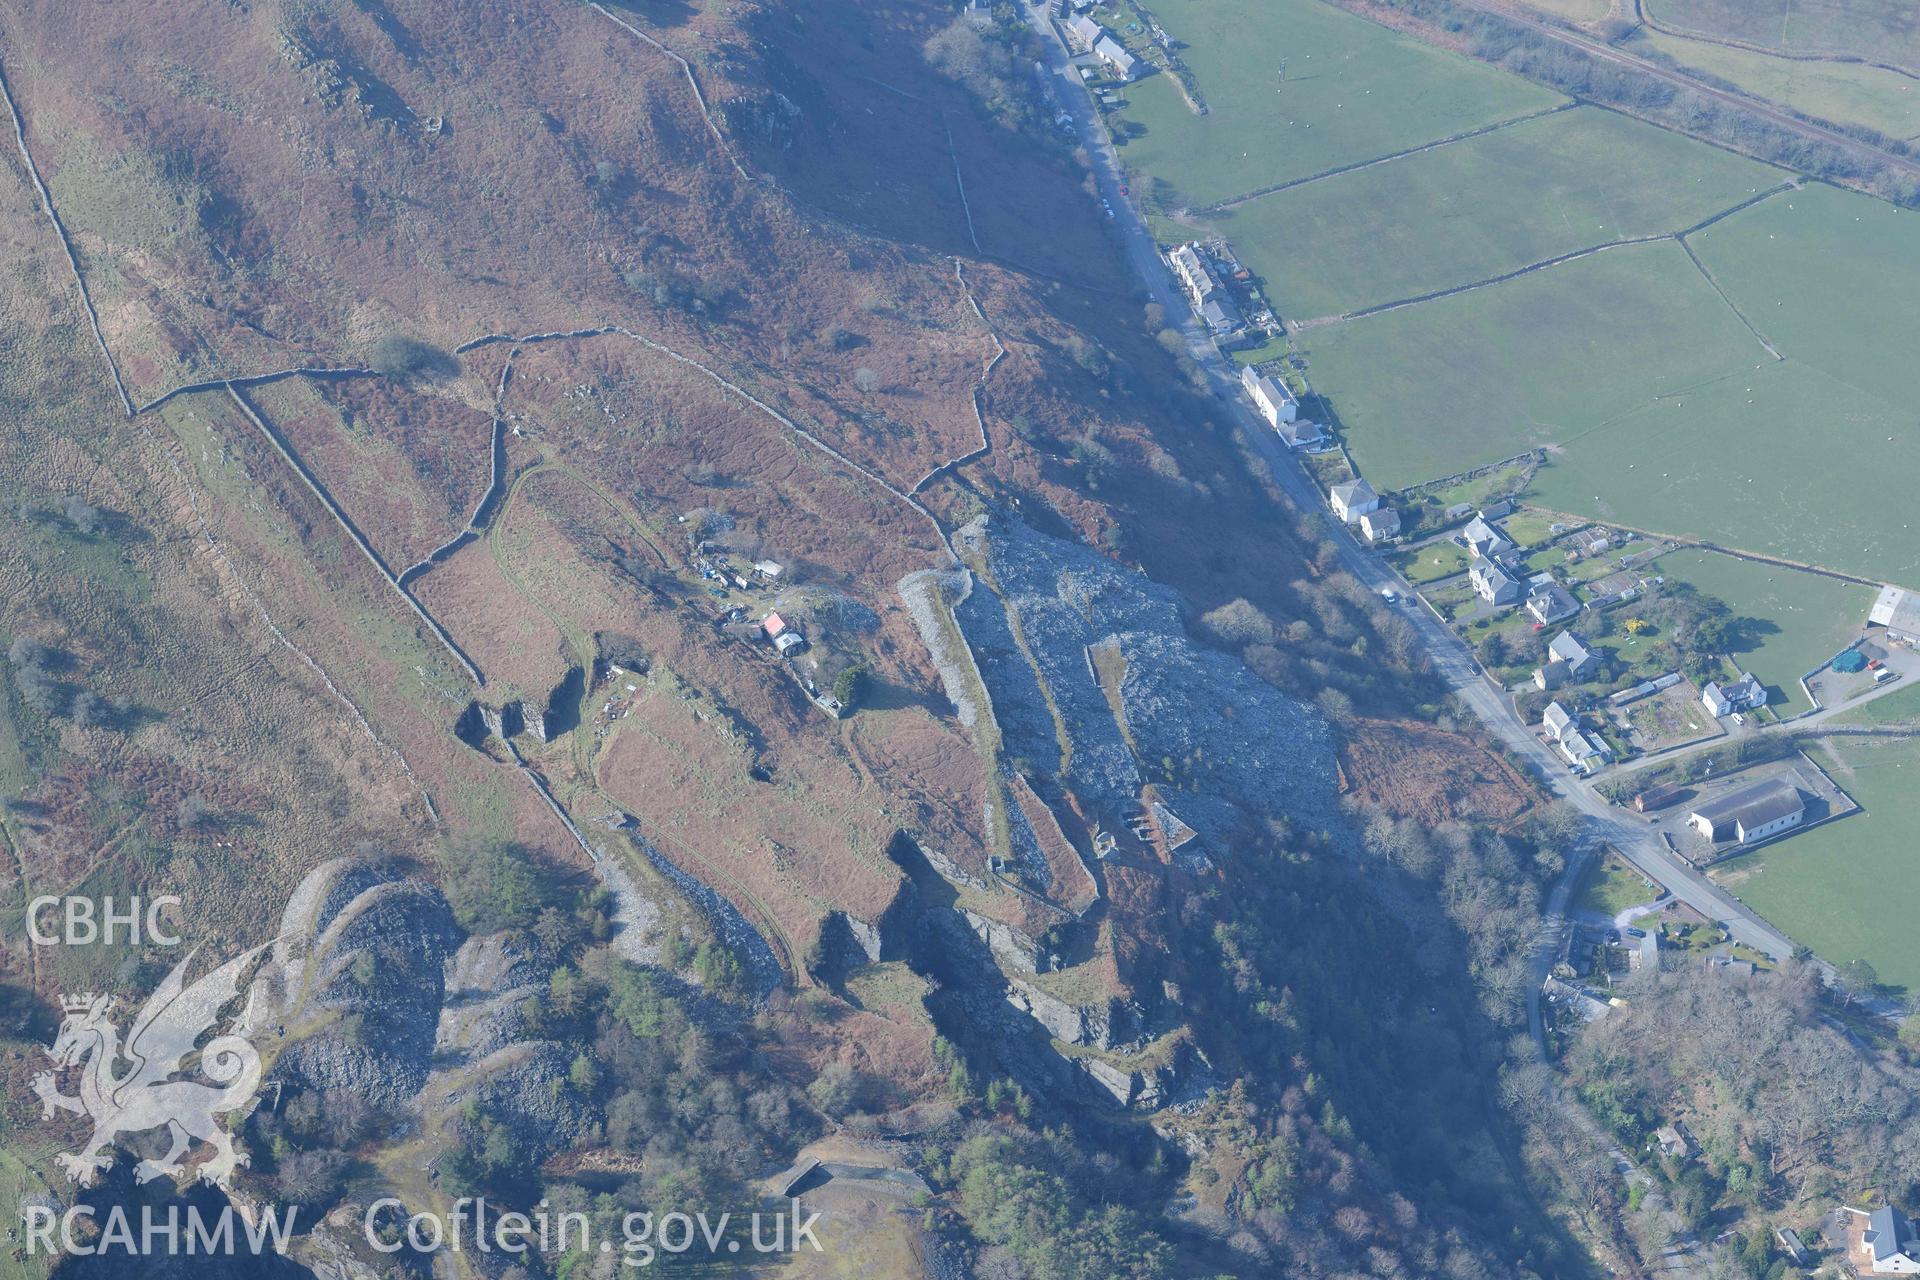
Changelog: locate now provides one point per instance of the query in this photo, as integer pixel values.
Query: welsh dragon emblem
(142, 1096)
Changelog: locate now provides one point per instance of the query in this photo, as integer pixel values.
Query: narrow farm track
(66, 244)
(979, 392)
(353, 532)
(1646, 19)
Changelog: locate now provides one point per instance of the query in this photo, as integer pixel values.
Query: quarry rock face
(1053, 607)
(1163, 747)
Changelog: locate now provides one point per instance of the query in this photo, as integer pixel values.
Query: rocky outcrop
(386, 1002)
(1101, 1024)
(1014, 950)
(488, 983)
(361, 951)
(1173, 1075)
(1182, 715)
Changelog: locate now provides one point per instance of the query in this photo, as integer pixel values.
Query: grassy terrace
(1353, 91)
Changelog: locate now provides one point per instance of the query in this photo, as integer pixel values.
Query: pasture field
(1805, 618)
(1843, 92)
(1480, 208)
(1353, 91)
(1829, 277)
(1882, 30)
(1829, 887)
(1900, 707)
(1737, 461)
(1540, 360)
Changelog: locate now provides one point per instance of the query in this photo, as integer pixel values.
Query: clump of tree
(34, 675)
(39, 674)
(987, 60)
(1032, 1201)
(1806, 1114)
(851, 685)
(495, 885)
(408, 359)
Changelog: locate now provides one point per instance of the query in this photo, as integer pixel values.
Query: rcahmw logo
(143, 1095)
(81, 922)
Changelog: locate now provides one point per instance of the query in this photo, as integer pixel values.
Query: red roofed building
(773, 625)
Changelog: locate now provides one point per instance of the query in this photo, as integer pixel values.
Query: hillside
(473, 387)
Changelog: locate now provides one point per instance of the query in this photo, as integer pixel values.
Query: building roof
(1747, 691)
(1353, 493)
(773, 624)
(1492, 575)
(1886, 1227)
(1378, 524)
(1557, 719)
(1477, 532)
(1550, 600)
(1898, 610)
(1219, 312)
(1301, 431)
(1753, 806)
(1262, 387)
(1114, 53)
(1086, 28)
(767, 568)
(1567, 647)
(1579, 746)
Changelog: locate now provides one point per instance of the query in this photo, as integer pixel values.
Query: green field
(1846, 93)
(1612, 886)
(1882, 30)
(1901, 707)
(1353, 91)
(1432, 389)
(1737, 461)
(1831, 887)
(1478, 209)
(1665, 412)
(1431, 563)
(1817, 616)
(1829, 277)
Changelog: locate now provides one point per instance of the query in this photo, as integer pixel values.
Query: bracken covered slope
(497, 369)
